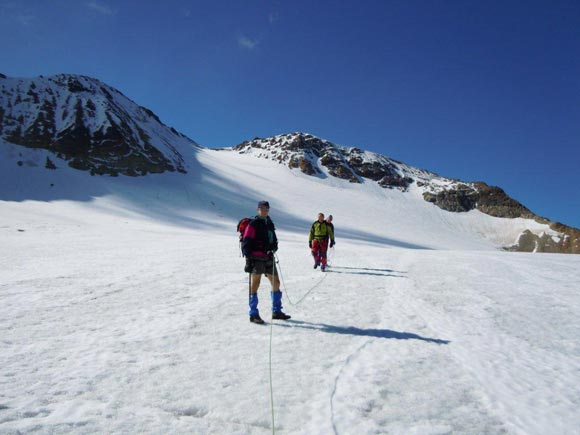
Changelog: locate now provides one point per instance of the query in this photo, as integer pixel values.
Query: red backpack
(242, 224)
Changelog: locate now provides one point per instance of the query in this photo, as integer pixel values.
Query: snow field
(147, 331)
(124, 310)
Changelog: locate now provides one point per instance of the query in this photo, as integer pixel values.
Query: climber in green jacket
(320, 234)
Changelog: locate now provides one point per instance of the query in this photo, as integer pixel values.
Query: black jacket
(259, 238)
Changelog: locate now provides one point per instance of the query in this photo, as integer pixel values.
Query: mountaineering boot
(277, 313)
(316, 264)
(256, 319)
(323, 268)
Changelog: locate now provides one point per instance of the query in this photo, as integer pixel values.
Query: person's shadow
(365, 271)
(351, 330)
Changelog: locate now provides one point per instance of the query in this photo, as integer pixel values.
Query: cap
(263, 204)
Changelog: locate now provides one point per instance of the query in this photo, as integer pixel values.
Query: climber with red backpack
(259, 243)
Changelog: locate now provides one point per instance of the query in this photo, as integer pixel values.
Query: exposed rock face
(460, 199)
(570, 243)
(530, 242)
(302, 151)
(384, 171)
(315, 156)
(463, 197)
(567, 243)
(89, 124)
(303, 164)
(495, 202)
(490, 200)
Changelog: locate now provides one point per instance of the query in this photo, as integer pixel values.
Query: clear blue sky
(476, 90)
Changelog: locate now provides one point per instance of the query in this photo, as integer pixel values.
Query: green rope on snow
(277, 261)
(307, 292)
(271, 388)
(270, 353)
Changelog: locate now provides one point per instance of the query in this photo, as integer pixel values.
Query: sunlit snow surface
(123, 309)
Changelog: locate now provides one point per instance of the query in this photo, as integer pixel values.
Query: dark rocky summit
(311, 154)
(92, 126)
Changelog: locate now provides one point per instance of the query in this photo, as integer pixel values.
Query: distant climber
(332, 242)
(320, 234)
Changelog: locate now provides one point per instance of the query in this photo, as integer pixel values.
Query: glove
(331, 243)
(310, 244)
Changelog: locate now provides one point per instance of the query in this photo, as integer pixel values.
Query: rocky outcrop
(570, 243)
(303, 151)
(90, 125)
(530, 242)
(303, 164)
(315, 156)
(336, 166)
(495, 202)
(463, 197)
(385, 173)
(460, 199)
(491, 200)
(565, 243)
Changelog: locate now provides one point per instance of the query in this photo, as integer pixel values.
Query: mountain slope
(320, 158)
(91, 125)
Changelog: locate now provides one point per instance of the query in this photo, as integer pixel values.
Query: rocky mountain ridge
(317, 157)
(90, 125)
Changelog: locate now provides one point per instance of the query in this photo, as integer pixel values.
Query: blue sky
(475, 90)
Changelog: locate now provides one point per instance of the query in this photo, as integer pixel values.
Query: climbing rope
(270, 351)
(310, 290)
(277, 261)
(271, 387)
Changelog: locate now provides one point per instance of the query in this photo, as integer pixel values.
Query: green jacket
(321, 231)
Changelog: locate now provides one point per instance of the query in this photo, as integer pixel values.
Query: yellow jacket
(321, 231)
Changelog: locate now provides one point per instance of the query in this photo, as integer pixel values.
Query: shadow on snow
(169, 197)
(351, 330)
(365, 271)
